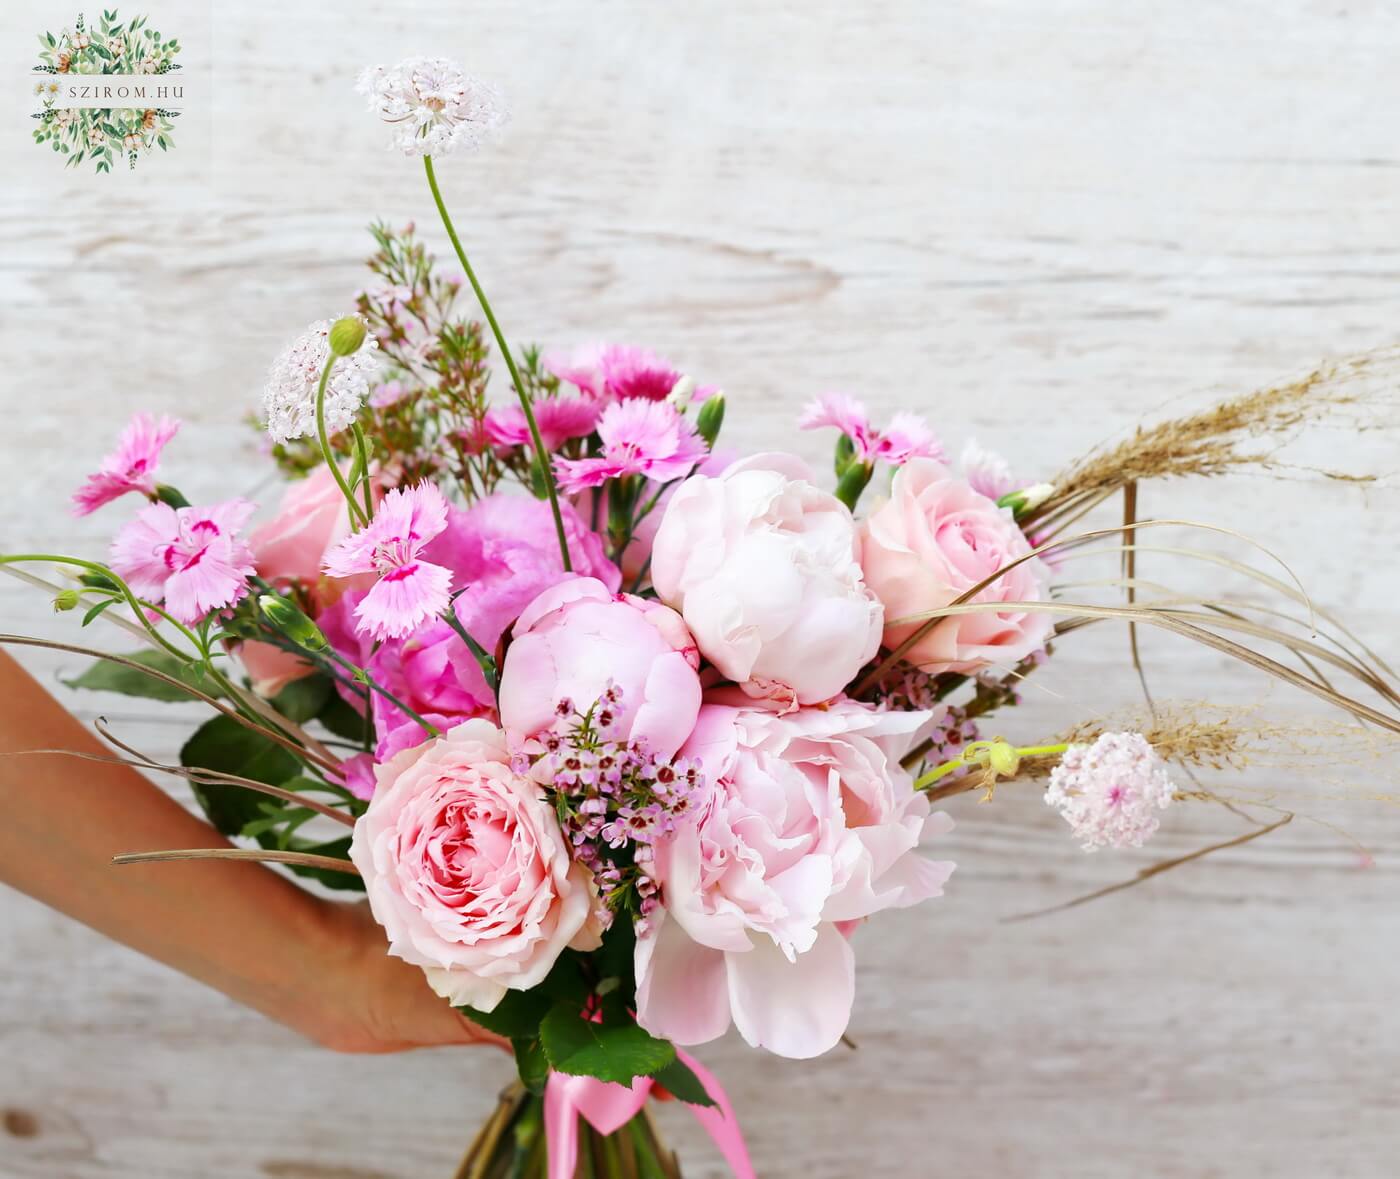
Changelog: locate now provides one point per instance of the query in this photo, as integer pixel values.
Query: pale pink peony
(806, 823)
(501, 553)
(577, 639)
(130, 467)
(467, 870)
(193, 558)
(409, 590)
(648, 438)
(763, 565)
(934, 539)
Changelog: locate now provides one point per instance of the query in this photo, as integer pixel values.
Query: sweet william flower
(615, 372)
(907, 436)
(193, 558)
(289, 397)
(559, 419)
(130, 467)
(639, 437)
(1111, 792)
(409, 590)
(433, 106)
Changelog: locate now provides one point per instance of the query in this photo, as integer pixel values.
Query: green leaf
(531, 1063)
(109, 602)
(105, 676)
(517, 1016)
(342, 720)
(224, 745)
(680, 1081)
(617, 1052)
(303, 699)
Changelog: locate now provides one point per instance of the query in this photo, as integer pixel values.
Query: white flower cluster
(289, 398)
(1110, 792)
(433, 106)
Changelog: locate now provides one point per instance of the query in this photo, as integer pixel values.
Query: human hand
(367, 1001)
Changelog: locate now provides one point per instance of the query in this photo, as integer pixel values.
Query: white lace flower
(289, 398)
(1110, 792)
(433, 106)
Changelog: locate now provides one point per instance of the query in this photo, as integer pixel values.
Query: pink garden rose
(502, 553)
(310, 520)
(935, 538)
(577, 638)
(763, 565)
(807, 822)
(467, 871)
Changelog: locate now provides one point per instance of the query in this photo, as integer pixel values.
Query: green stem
(976, 756)
(541, 456)
(479, 653)
(363, 677)
(356, 516)
(362, 446)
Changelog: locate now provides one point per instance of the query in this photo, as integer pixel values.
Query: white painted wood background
(1034, 220)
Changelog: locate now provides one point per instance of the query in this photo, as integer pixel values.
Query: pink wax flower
(805, 823)
(390, 393)
(763, 565)
(577, 640)
(906, 437)
(410, 590)
(559, 419)
(616, 372)
(1110, 792)
(130, 467)
(639, 437)
(934, 539)
(467, 870)
(502, 553)
(191, 557)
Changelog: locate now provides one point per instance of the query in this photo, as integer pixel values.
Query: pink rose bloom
(502, 553)
(934, 539)
(310, 520)
(806, 823)
(467, 870)
(577, 638)
(764, 567)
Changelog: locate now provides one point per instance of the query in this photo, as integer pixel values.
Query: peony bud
(292, 623)
(346, 335)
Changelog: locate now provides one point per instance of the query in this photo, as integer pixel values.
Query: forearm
(238, 927)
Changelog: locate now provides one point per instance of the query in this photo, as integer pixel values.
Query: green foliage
(304, 699)
(105, 676)
(611, 1051)
(680, 1081)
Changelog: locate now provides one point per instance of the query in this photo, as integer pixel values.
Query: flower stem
(363, 677)
(357, 517)
(536, 441)
(977, 755)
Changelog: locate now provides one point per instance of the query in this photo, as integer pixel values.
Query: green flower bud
(852, 483)
(292, 623)
(710, 418)
(1003, 759)
(170, 495)
(69, 599)
(347, 334)
(845, 454)
(1027, 499)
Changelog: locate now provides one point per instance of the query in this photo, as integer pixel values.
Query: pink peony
(576, 639)
(935, 538)
(763, 566)
(806, 823)
(501, 553)
(639, 438)
(191, 557)
(467, 871)
(131, 467)
(409, 590)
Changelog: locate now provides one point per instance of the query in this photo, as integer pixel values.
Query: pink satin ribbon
(609, 1107)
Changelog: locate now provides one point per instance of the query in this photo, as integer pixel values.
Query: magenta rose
(575, 640)
(932, 540)
(467, 870)
(806, 823)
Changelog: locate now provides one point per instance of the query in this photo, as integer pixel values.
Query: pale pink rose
(806, 823)
(271, 668)
(936, 538)
(467, 870)
(575, 640)
(763, 565)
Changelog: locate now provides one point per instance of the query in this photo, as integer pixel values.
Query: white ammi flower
(433, 105)
(289, 398)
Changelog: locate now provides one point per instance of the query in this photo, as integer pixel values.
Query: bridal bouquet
(624, 735)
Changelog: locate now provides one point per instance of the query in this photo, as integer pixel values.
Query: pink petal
(682, 994)
(403, 599)
(795, 1009)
